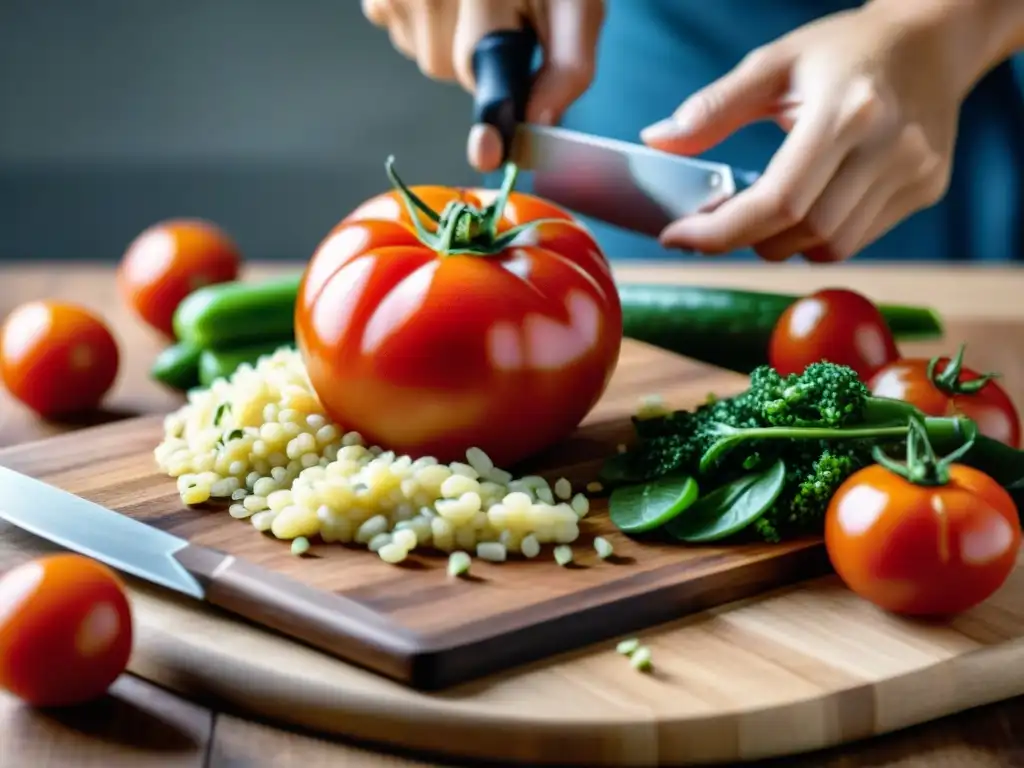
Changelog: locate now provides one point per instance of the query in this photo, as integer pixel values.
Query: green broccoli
(823, 423)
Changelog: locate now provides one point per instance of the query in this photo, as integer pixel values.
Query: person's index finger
(745, 94)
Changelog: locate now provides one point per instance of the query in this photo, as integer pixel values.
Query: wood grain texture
(205, 655)
(414, 623)
(137, 725)
(987, 737)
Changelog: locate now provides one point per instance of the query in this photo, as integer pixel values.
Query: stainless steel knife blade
(628, 185)
(80, 525)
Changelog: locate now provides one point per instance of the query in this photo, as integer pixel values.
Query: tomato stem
(462, 228)
(949, 380)
(408, 196)
(922, 465)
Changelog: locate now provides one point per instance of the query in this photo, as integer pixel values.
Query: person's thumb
(746, 94)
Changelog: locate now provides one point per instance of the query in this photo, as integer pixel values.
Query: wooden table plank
(989, 737)
(140, 724)
(239, 743)
(136, 725)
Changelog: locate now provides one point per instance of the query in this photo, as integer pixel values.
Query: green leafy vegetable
(730, 508)
(823, 424)
(646, 506)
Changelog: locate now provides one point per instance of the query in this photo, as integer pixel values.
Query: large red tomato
(927, 548)
(505, 347)
(836, 325)
(941, 387)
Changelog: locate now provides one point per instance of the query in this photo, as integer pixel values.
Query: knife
(324, 620)
(628, 185)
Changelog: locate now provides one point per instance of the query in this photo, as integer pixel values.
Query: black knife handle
(503, 69)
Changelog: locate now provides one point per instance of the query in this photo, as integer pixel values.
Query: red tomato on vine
(926, 538)
(944, 387)
(434, 319)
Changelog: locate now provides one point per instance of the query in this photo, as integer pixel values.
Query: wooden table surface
(140, 725)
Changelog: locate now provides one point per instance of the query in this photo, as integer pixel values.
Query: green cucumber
(230, 315)
(726, 327)
(177, 366)
(219, 364)
(731, 328)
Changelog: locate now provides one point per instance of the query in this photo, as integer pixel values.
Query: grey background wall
(271, 117)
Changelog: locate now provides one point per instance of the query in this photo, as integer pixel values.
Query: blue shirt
(653, 53)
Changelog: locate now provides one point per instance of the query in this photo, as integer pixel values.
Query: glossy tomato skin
(65, 630)
(990, 407)
(57, 358)
(918, 550)
(170, 260)
(430, 354)
(836, 325)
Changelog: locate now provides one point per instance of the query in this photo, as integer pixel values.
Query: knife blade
(624, 184)
(628, 185)
(78, 524)
(326, 620)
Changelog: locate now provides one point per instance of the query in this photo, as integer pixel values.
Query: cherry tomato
(57, 358)
(65, 630)
(836, 325)
(950, 389)
(431, 353)
(170, 260)
(922, 550)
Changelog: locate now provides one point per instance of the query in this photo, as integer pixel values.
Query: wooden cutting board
(788, 670)
(414, 623)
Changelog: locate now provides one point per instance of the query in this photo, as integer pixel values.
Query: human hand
(870, 101)
(440, 35)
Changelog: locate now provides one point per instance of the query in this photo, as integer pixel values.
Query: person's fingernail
(483, 147)
(663, 129)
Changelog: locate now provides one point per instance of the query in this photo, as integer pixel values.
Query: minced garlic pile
(262, 439)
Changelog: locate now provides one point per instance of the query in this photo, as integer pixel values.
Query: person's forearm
(979, 33)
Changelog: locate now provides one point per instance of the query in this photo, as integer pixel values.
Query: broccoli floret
(825, 394)
(823, 424)
(677, 440)
(813, 475)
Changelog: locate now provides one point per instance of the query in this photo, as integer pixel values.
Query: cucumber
(177, 366)
(218, 364)
(731, 328)
(721, 326)
(234, 314)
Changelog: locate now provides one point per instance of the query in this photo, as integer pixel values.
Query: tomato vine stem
(462, 228)
(949, 380)
(922, 465)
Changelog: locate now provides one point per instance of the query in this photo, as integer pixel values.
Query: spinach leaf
(731, 507)
(646, 506)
